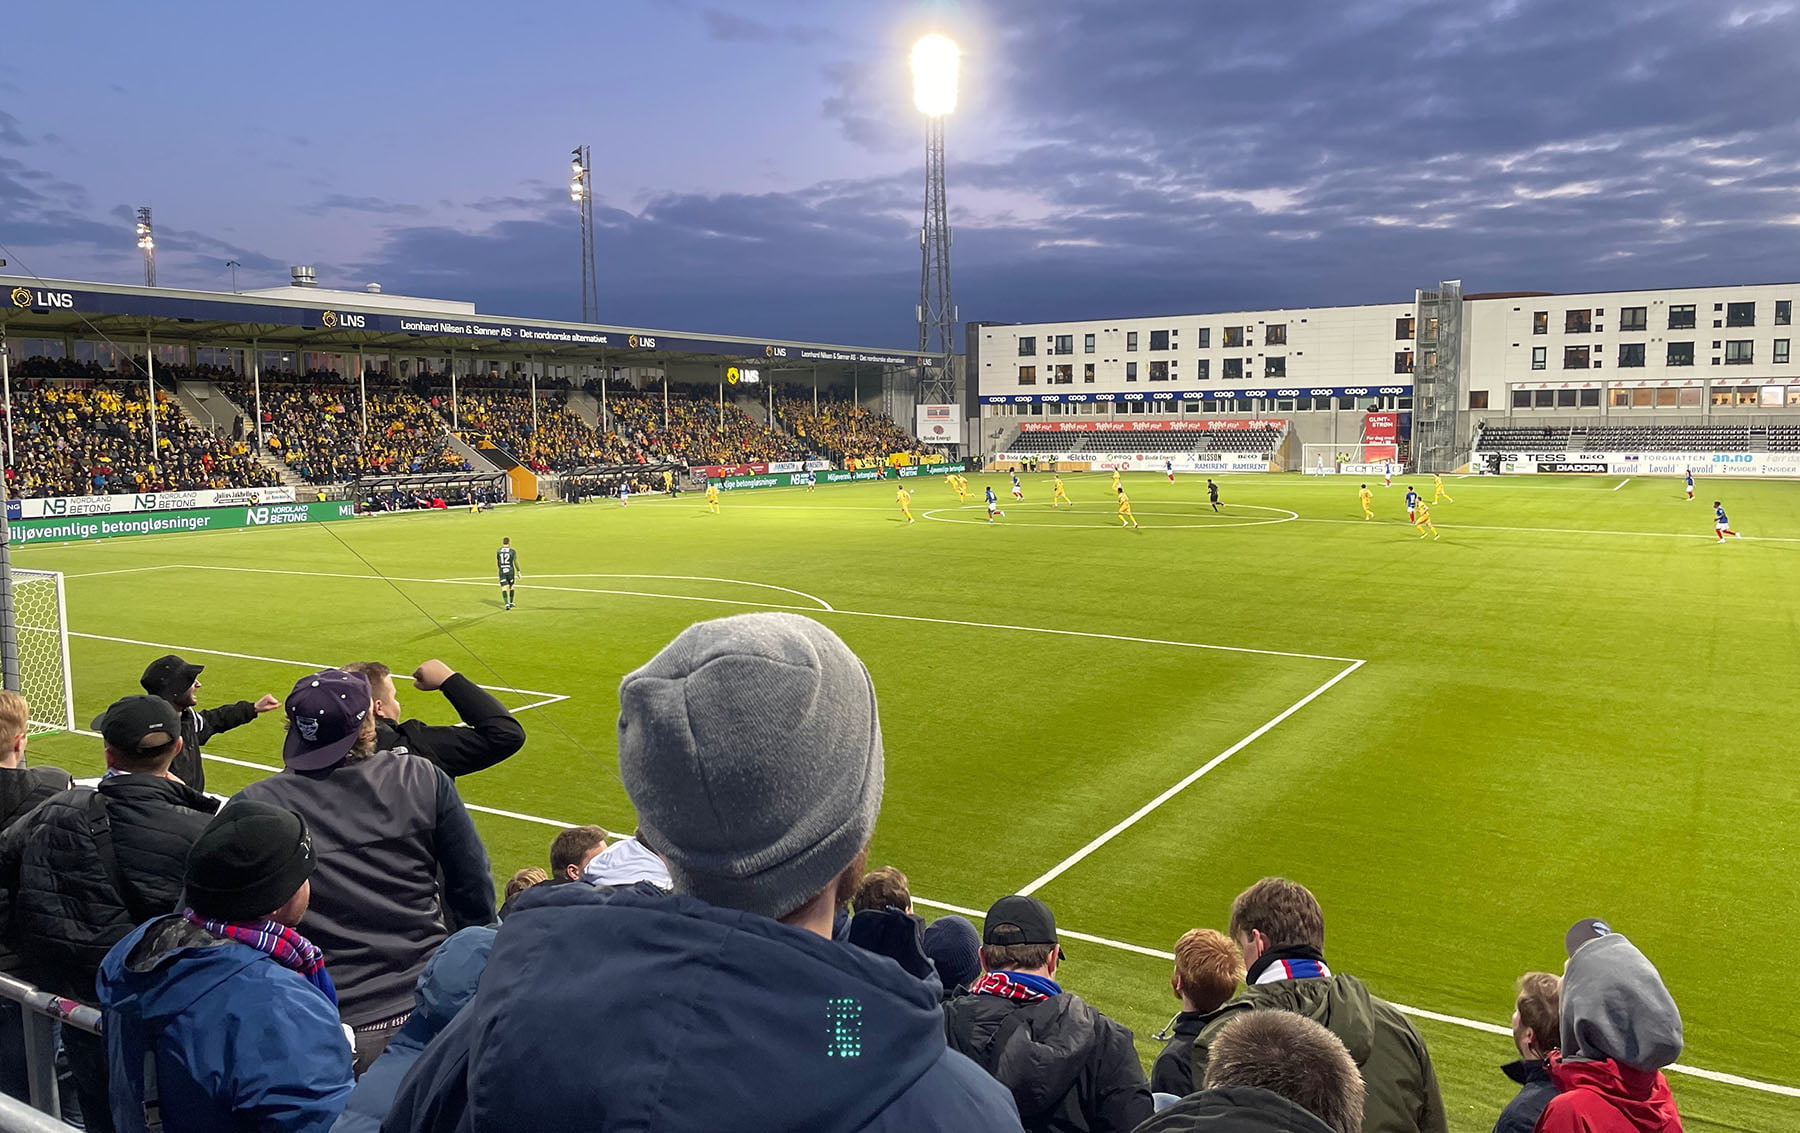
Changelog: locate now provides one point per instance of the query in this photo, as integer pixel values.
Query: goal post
(1357, 459)
(36, 661)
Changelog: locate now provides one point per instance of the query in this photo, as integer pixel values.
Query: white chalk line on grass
(1187, 781)
(544, 697)
(800, 609)
(1138, 949)
(1574, 531)
(822, 603)
(1622, 483)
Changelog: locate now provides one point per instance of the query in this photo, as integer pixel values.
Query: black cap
(139, 725)
(248, 862)
(170, 676)
(1019, 920)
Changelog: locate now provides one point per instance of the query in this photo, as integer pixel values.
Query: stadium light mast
(146, 240)
(935, 63)
(581, 191)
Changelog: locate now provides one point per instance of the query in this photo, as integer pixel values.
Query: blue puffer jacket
(632, 1012)
(241, 1042)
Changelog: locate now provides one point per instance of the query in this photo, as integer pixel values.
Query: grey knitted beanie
(751, 748)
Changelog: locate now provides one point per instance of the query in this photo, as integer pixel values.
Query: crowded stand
(314, 423)
(839, 428)
(77, 431)
(555, 440)
(326, 949)
(695, 431)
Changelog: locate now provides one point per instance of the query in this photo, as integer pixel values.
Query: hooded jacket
(1235, 1109)
(1402, 1086)
(1070, 1068)
(240, 1042)
(1535, 1091)
(621, 1011)
(1620, 1027)
(65, 908)
(487, 735)
(445, 986)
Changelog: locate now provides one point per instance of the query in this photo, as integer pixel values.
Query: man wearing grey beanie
(751, 748)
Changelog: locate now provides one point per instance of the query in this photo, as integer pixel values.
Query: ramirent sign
(81, 528)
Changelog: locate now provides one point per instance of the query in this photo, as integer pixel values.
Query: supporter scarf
(279, 942)
(1298, 962)
(1022, 986)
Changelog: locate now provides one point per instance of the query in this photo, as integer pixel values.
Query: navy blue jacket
(1522, 1113)
(614, 1012)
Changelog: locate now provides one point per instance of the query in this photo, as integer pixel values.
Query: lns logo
(331, 320)
(26, 297)
(641, 342)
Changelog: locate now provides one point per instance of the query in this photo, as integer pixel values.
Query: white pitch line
(125, 570)
(1622, 483)
(1194, 776)
(823, 604)
(1572, 531)
(781, 606)
(546, 697)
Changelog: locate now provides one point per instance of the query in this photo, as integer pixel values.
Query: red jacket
(1606, 1097)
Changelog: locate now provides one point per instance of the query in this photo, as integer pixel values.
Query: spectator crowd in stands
(324, 951)
(314, 423)
(91, 436)
(840, 428)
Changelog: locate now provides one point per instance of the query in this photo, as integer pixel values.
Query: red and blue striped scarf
(1015, 985)
(279, 942)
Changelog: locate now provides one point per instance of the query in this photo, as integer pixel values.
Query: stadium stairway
(586, 407)
(205, 406)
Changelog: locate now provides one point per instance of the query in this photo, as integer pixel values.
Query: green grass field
(1573, 704)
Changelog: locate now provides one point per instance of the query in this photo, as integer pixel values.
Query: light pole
(935, 62)
(146, 241)
(233, 265)
(581, 191)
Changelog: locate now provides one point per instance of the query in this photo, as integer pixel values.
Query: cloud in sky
(1108, 159)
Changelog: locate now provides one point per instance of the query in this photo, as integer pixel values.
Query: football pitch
(1572, 704)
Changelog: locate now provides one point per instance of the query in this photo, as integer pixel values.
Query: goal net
(1350, 459)
(42, 624)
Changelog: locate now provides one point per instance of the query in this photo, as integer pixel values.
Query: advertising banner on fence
(940, 424)
(1143, 462)
(58, 506)
(1200, 425)
(1648, 463)
(161, 522)
(793, 479)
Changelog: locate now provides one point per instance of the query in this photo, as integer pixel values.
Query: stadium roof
(319, 319)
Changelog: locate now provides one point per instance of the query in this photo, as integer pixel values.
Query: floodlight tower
(146, 240)
(581, 191)
(935, 60)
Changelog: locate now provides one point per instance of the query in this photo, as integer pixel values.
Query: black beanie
(248, 861)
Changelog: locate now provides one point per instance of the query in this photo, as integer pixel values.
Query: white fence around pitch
(1642, 462)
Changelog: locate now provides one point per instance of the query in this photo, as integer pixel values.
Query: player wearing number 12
(507, 559)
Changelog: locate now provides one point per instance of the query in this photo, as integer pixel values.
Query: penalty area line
(1192, 777)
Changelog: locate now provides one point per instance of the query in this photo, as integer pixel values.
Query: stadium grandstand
(313, 387)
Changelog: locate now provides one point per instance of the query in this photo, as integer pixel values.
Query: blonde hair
(523, 880)
(15, 716)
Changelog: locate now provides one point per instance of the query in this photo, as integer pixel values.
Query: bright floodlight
(934, 63)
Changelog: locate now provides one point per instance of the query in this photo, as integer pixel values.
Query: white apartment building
(1676, 355)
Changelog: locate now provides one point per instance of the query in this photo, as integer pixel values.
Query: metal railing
(41, 1012)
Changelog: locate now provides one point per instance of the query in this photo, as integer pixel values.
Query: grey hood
(1614, 1005)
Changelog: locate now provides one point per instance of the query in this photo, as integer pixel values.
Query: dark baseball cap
(325, 715)
(1583, 931)
(1019, 920)
(139, 725)
(170, 676)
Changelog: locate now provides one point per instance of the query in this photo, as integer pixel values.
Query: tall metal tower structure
(581, 191)
(146, 241)
(935, 60)
(1437, 425)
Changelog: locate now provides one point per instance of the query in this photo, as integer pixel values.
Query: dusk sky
(759, 165)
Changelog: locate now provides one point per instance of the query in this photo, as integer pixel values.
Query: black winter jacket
(198, 728)
(490, 735)
(65, 908)
(23, 788)
(400, 868)
(1522, 1113)
(1235, 1109)
(1070, 1068)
